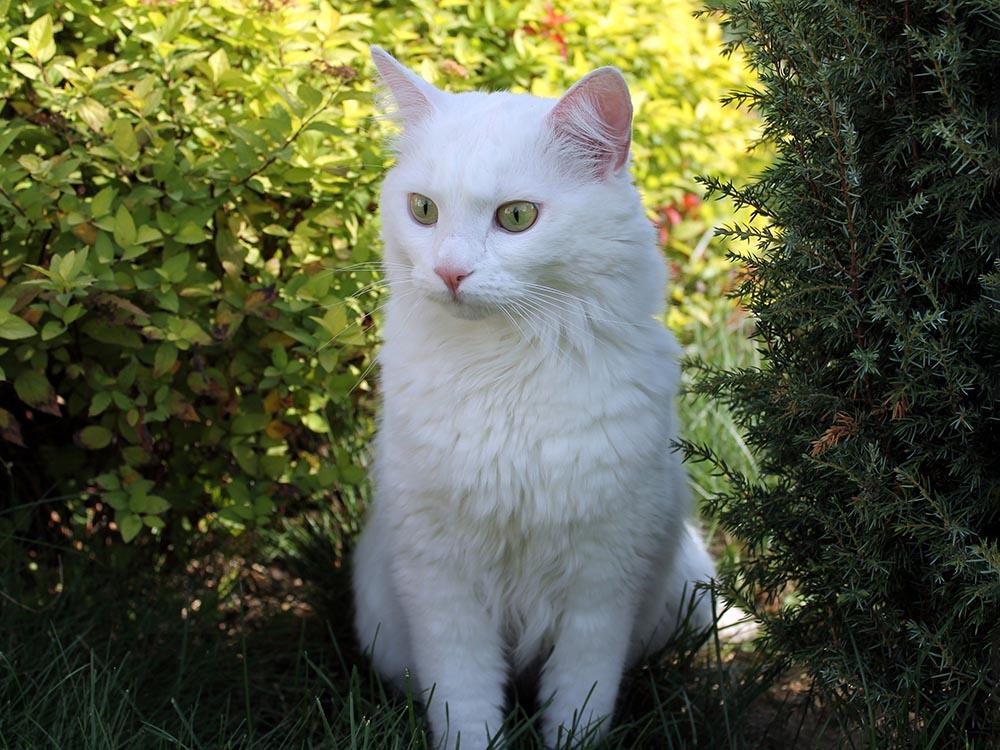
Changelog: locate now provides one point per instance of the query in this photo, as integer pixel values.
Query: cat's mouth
(464, 305)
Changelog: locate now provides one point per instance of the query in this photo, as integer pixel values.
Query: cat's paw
(470, 738)
(736, 626)
(575, 734)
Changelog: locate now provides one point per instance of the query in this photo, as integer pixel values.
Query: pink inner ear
(403, 87)
(594, 118)
(615, 108)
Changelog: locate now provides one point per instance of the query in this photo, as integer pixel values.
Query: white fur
(529, 509)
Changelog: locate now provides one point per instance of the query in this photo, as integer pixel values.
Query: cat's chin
(466, 310)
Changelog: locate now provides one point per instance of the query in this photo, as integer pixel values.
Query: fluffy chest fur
(495, 427)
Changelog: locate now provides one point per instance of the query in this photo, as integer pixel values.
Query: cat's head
(511, 203)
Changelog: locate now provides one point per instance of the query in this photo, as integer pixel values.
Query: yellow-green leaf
(14, 327)
(93, 113)
(175, 266)
(218, 64)
(189, 234)
(164, 359)
(334, 321)
(95, 437)
(41, 44)
(246, 424)
(100, 402)
(129, 524)
(124, 139)
(52, 329)
(148, 504)
(34, 389)
(154, 522)
(148, 234)
(101, 204)
(315, 422)
(124, 231)
(29, 71)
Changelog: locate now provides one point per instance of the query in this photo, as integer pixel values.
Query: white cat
(529, 510)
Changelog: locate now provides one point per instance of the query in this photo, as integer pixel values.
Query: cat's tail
(694, 570)
(683, 601)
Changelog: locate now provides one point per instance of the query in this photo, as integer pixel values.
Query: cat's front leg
(460, 665)
(581, 676)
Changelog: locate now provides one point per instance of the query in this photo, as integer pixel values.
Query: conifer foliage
(873, 533)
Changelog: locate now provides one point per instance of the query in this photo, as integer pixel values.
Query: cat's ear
(409, 98)
(593, 122)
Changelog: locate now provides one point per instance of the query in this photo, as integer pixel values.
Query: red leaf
(10, 429)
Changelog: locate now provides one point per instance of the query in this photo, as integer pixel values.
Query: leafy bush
(171, 200)
(186, 202)
(876, 412)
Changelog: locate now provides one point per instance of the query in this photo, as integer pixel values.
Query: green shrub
(875, 535)
(171, 201)
(186, 205)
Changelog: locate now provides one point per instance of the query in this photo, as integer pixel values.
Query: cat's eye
(517, 216)
(423, 209)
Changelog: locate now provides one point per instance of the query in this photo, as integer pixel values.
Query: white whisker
(574, 298)
(403, 295)
(364, 375)
(548, 320)
(615, 319)
(380, 284)
(374, 357)
(375, 266)
(506, 312)
(572, 322)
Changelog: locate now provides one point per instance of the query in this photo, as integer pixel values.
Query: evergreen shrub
(187, 197)
(873, 534)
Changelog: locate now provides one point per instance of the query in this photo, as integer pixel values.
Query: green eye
(517, 216)
(422, 209)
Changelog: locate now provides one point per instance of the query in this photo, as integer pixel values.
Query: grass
(115, 666)
(251, 648)
(725, 343)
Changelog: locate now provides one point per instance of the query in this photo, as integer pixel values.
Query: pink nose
(452, 277)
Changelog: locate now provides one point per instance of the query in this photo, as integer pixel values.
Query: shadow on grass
(241, 654)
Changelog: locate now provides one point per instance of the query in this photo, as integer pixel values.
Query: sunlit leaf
(14, 327)
(41, 44)
(124, 228)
